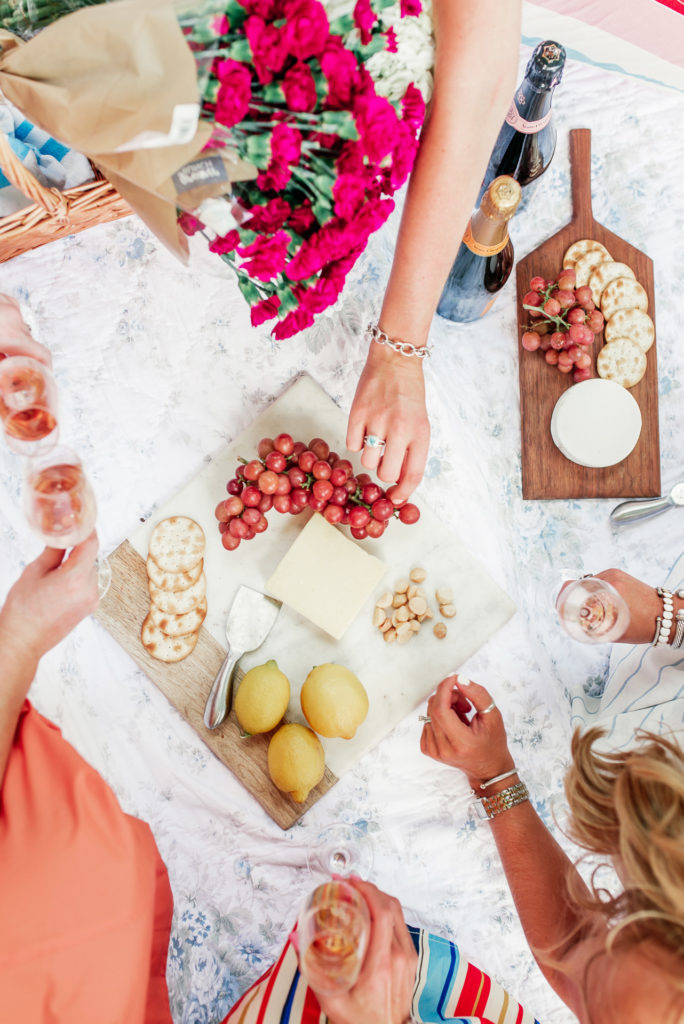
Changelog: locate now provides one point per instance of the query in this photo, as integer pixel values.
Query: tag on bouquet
(210, 176)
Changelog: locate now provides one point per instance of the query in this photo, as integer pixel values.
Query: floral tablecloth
(158, 366)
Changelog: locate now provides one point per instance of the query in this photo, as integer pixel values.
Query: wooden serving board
(545, 472)
(397, 677)
(187, 683)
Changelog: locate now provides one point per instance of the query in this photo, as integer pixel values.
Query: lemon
(296, 761)
(262, 698)
(334, 701)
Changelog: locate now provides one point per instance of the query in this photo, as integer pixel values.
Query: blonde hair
(629, 805)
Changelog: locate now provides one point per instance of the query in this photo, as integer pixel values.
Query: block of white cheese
(596, 423)
(326, 577)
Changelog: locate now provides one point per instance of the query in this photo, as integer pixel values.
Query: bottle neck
(530, 110)
(485, 236)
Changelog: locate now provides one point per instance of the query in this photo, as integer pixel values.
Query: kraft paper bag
(118, 83)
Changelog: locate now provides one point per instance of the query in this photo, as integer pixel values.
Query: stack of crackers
(178, 589)
(629, 331)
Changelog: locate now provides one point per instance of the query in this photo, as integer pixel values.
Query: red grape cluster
(290, 476)
(565, 322)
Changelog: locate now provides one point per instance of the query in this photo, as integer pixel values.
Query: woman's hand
(643, 603)
(15, 337)
(390, 403)
(478, 747)
(382, 993)
(50, 597)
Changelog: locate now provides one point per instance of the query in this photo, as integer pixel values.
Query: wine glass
(333, 929)
(60, 504)
(340, 849)
(28, 405)
(592, 611)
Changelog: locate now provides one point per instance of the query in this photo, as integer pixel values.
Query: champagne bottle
(527, 140)
(485, 258)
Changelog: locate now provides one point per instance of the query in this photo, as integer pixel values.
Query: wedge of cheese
(326, 577)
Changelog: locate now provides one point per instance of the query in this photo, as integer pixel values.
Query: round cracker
(587, 264)
(173, 580)
(179, 602)
(604, 274)
(622, 361)
(177, 544)
(178, 625)
(633, 324)
(581, 248)
(163, 647)
(623, 293)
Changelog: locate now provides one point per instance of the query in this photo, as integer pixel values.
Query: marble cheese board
(397, 677)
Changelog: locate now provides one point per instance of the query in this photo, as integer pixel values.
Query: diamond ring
(424, 718)
(373, 441)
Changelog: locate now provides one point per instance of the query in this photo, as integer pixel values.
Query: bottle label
(478, 248)
(517, 121)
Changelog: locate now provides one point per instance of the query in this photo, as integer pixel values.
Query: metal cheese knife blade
(630, 511)
(250, 620)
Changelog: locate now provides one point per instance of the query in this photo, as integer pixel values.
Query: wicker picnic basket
(52, 214)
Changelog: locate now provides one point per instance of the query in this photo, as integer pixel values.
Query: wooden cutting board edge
(186, 685)
(582, 482)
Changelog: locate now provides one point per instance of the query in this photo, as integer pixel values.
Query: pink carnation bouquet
(288, 89)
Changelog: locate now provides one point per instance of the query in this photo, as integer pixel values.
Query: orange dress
(85, 901)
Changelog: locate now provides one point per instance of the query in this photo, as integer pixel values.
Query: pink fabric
(652, 25)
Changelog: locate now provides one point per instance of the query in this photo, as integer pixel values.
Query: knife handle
(630, 511)
(220, 698)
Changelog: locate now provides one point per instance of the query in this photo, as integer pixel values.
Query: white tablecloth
(158, 366)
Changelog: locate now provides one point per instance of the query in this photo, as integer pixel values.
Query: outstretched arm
(536, 867)
(50, 597)
(475, 66)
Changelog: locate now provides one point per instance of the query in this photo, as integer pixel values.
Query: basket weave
(52, 214)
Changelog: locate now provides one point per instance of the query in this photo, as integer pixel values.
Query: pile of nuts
(399, 615)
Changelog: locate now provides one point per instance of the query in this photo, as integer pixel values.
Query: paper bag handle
(52, 200)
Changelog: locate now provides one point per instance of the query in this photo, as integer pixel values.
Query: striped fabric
(644, 689)
(47, 159)
(448, 988)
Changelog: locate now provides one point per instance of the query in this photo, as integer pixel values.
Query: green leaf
(322, 211)
(258, 149)
(273, 93)
(288, 302)
(249, 289)
(320, 81)
(338, 122)
(241, 51)
(345, 23)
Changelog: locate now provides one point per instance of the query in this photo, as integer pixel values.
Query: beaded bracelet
(404, 348)
(664, 621)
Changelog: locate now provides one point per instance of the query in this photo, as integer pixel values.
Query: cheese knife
(250, 620)
(643, 508)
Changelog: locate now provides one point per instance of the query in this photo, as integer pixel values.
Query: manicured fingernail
(337, 878)
(464, 682)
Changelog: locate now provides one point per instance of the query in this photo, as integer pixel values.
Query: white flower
(415, 57)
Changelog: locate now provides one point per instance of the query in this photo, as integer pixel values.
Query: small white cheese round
(596, 423)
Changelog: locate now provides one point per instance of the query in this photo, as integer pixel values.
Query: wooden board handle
(580, 169)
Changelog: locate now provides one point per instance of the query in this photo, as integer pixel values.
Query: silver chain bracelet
(404, 348)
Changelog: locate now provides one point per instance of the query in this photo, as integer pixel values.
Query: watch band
(490, 806)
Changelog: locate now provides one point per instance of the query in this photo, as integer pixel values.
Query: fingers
(48, 560)
(441, 708)
(393, 457)
(478, 696)
(22, 344)
(83, 555)
(412, 472)
(370, 457)
(355, 429)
